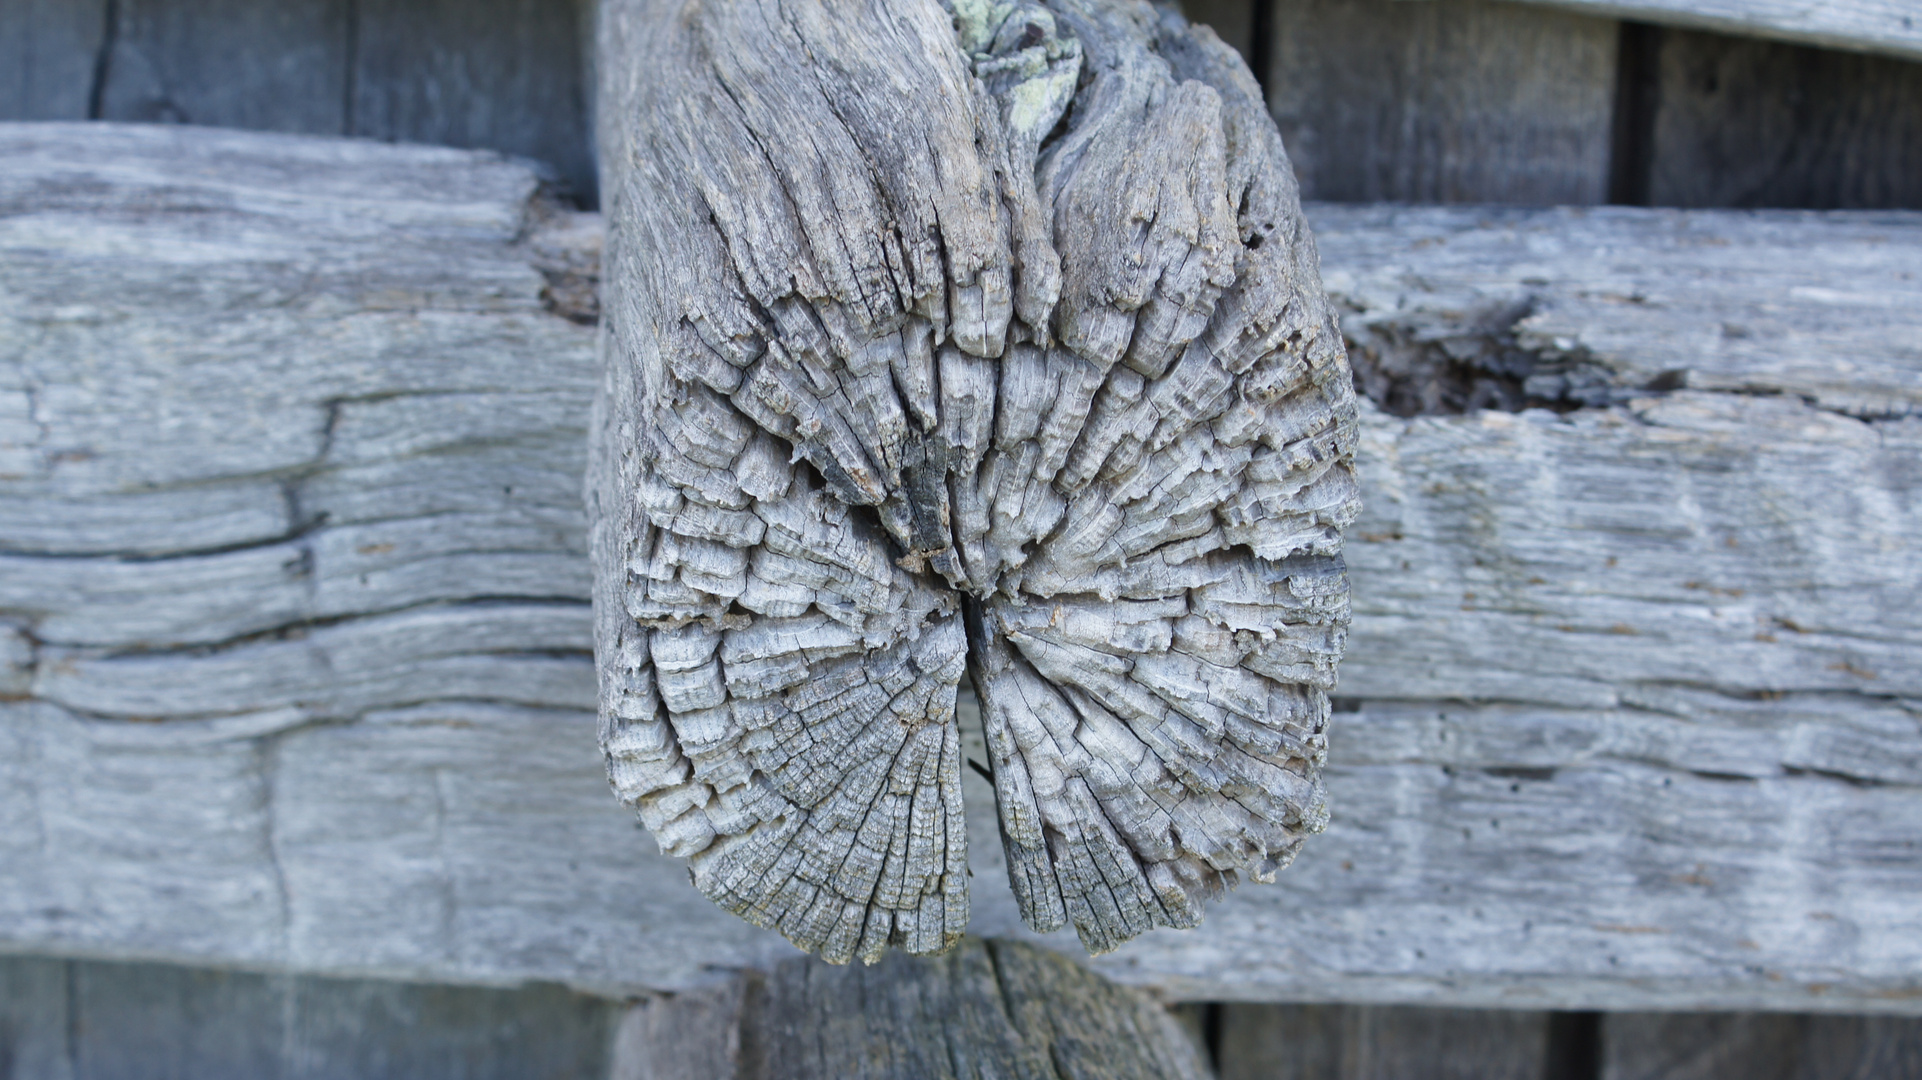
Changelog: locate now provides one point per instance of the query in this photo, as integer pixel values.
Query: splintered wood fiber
(990, 340)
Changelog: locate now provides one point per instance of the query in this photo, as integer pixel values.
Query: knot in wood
(941, 343)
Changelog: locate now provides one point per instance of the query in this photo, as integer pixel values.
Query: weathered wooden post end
(989, 338)
(297, 671)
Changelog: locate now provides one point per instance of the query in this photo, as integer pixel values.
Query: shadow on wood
(992, 1008)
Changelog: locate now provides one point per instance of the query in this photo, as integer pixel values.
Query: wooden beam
(1893, 27)
(294, 646)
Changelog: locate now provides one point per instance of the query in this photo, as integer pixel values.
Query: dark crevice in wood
(1405, 374)
(1261, 42)
(1211, 1025)
(103, 60)
(1574, 1046)
(1631, 158)
(350, 84)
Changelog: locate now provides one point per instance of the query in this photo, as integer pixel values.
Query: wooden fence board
(47, 53)
(1745, 122)
(505, 74)
(229, 63)
(1759, 1046)
(1631, 710)
(1888, 26)
(88, 1020)
(1454, 101)
(1373, 1042)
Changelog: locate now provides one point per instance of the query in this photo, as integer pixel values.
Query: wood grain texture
(91, 1020)
(1454, 101)
(989, 1009)
(1455, 309)
(1885, 26)
(506, 75)
(1372, 1042)
(229, 63)
(48, 49)
(1697, 1046)
(1741, 122)
(1687, 779)
(913, 368)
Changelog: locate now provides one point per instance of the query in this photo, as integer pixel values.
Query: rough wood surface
(987, 339)
(1886, 26)
(1455, 101)
(1374, 1042)
(1742, 122)
(987, 1011)
(295, 646)
(1458, 309)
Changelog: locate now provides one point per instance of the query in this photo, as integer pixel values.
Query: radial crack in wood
(987, 338)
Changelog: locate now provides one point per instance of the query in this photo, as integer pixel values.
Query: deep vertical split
(103, 61)
(1574, 1050)
(1631, 159)
(350, 81)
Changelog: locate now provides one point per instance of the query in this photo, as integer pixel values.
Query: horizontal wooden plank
(1631, 717)
(1886, 26)
(1593, 306)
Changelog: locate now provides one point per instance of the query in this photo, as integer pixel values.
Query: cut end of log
(985, 339)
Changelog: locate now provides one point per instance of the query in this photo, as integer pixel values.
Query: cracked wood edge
(991, 338)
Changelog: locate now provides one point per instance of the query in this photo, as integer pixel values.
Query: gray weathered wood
(1373, 1042)
(1686, 779)
(1707, 1046)
(1601, 305)
(1743, 122)
(1886, 26)
(88, 1020)
(1455, 101)
(905, 380)
(48, 49)
(506, 75)
(987, 1010)
(278, 66)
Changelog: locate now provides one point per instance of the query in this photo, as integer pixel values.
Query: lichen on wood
(981, 339)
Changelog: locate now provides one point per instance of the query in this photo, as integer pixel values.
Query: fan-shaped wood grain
(982, 337)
